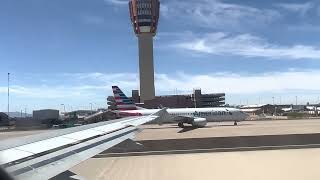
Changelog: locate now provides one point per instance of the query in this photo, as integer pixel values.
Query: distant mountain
(18, 114)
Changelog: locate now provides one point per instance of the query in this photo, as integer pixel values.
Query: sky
(72, 52)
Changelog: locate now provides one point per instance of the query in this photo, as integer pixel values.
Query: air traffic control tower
(144, 17)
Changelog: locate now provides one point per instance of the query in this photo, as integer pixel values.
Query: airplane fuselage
(210, 114)
(197, 117)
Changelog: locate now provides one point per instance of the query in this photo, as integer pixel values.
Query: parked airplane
(46, 155)
(197, 117)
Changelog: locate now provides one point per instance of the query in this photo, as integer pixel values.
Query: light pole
(91, 108)
(273, 100)
(296, 100)
(64, 108)
(8, 95)
(273, 106)
(194, 98)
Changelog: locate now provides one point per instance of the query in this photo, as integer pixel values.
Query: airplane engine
(199, 122)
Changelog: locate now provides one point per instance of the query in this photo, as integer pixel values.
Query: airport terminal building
(196, 99)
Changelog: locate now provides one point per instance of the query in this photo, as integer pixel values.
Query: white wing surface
(46, 155)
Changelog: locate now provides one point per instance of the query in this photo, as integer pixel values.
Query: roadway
(8, 134)
(287, 149)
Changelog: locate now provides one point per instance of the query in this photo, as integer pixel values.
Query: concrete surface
(224, 129)
(253, 150)
(256, 165)
(260, 150)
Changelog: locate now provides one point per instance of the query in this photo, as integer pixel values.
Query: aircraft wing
(46, 155)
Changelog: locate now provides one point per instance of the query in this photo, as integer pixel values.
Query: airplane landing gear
(235, 123)
(181, 125)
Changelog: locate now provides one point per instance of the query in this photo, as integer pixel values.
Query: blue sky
(72, 51)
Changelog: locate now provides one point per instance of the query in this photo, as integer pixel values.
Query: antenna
(8, 95)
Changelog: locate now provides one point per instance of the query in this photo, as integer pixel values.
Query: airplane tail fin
(122, 101)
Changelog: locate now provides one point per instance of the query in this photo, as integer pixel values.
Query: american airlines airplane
(197, 117)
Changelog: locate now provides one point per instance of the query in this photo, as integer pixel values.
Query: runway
(287, 149)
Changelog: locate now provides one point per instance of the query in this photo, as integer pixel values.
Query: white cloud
(215, 82)
(125, 79)
(301, 8)
(214, 13)
(95, 87)
(241, 84)
(76, 85)
(117, 2)
(245, 45)
(164, 10)
(48, 92)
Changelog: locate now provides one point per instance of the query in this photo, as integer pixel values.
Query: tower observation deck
(144, 17)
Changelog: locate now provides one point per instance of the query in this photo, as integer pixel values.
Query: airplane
(197, 117)
(46, 155)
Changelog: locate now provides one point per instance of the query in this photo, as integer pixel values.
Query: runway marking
(211, 150)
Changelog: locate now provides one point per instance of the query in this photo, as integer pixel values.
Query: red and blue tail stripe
(122, 101)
